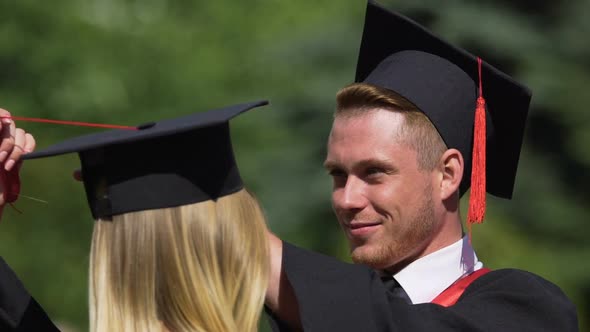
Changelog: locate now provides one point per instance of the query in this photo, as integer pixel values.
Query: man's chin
(370, 256)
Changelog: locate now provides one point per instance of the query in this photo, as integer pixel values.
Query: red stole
(450, 295)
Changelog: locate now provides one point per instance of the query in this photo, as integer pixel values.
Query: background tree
(130, 61)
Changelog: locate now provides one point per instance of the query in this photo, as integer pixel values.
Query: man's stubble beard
(401, 247)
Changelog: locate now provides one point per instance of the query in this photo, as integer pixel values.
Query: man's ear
(451, 167)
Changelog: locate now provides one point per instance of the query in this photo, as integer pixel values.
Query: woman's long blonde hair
(199, 267)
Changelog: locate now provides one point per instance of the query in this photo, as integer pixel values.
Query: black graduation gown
(18, 310)
(336, 296)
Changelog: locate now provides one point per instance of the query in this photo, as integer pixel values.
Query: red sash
(450, 295)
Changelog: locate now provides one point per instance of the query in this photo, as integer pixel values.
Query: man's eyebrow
(373, 162)
(329, 164)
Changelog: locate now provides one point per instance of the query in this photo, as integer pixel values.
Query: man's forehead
(372, 136)
(373, 122)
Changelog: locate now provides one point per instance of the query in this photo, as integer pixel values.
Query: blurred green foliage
(131, 61)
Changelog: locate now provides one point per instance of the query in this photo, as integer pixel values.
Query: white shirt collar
(430, 275)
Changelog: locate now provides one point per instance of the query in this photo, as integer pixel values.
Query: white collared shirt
(428, 276)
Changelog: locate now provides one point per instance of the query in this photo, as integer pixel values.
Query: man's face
(382, 199)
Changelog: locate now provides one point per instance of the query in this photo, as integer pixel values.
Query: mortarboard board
(161, 164)
(442, 81)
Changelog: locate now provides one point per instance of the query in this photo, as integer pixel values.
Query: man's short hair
(418, 132)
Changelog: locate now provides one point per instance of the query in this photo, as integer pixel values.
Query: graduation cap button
(146, 125)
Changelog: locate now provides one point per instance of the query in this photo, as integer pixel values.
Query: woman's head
(178, 242)
(198, 267)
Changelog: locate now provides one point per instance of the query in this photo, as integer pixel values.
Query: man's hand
(14, 142)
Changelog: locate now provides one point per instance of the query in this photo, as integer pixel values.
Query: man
(407, 141)
(18, 310)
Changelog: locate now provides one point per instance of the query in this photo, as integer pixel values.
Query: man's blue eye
(337, 173)
(374, 170)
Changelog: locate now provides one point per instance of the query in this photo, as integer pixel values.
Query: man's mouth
(362, 228)
(355, 225)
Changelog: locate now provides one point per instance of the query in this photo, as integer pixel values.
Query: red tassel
(11, 181)
(477, 198)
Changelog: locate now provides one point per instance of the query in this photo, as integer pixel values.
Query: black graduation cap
(161, 164)
(442, 81)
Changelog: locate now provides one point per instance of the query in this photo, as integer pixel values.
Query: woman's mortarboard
(161, 164)
(441, 80)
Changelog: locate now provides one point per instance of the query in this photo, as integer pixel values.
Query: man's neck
(449, 232)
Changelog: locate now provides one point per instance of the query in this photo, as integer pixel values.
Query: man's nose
(351, 196)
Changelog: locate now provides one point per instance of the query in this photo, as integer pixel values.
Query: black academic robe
(336, 296)
(18, 310)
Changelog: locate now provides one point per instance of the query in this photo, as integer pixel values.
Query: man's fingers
(4, 114)
(17, 149)
(7, 136)
(28, 147)
(30, 143)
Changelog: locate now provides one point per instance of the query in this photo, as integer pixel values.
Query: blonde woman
(179, 244)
